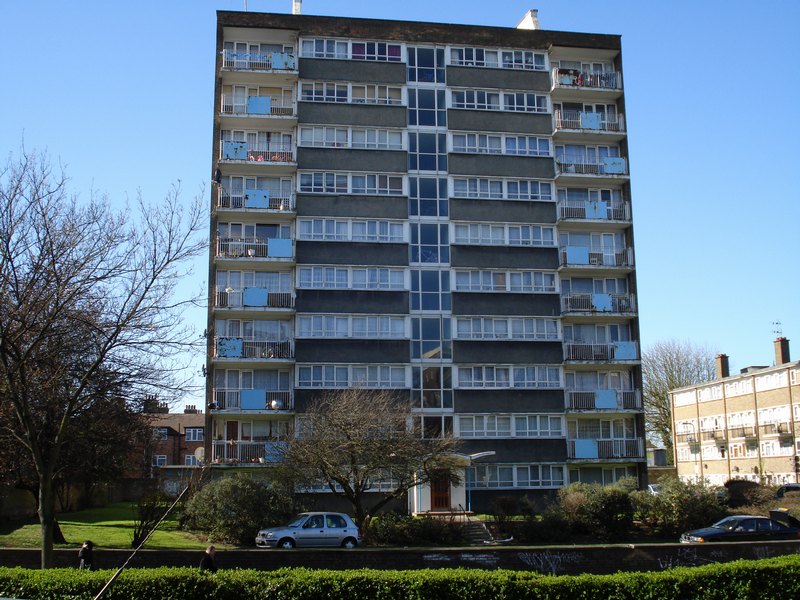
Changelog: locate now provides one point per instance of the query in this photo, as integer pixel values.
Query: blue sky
(122, 94)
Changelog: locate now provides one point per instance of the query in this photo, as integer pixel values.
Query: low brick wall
(557, 560)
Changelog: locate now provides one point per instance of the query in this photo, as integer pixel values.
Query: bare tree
(359, 443)
(666, 366)
(88, 307)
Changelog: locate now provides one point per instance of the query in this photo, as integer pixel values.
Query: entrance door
(440, 493)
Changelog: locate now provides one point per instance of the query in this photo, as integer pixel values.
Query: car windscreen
(729, 523)
(298, 520)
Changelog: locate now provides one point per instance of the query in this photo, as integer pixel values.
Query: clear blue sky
(122, 93)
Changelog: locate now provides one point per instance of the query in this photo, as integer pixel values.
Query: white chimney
(297, 6)
(530, 20)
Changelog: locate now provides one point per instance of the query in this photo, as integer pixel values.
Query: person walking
(207, 563)
(85, 555)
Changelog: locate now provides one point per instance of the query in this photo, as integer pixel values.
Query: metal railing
(236, 200)
(572, 119)
(237, 347)
(277, 107)
(269, 152)
(611, 449)
(572, 78)
(240, 451)
(587, 400)
(596, 352)
(783, 428)
(234, 298)
(567, 166)
(620, 303)
(258, 61)
(243, 248)
(231, 400)
(747, 431)
(686, 438)
(600, 256)
(582, 209)
(713, 435)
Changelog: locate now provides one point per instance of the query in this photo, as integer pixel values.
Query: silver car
(312, 529)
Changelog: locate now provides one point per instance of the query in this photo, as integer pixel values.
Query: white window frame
(342, 49)
(503, 234)
(345, 376)
(499, 100)
(159, 460)
(524, 282)
(357, 278)
(348, 230)
(351, 326)
(510, 475)
(195, 434)
(506, 328)
(351, 93)
(498, 58)
(507, 377)
(323, 136)
(501, 189)
(336, 182)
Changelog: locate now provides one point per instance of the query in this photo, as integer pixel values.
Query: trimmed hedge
(768, 579)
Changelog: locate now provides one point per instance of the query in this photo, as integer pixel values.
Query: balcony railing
(775, 429)
(237, 347)
(238, 451)
(254, 248)
(602, 303)
(258, 61)
(599, 449)
(253, 400)
(608, 165)
(596, 256)
(257, 106)
(604, 400)
(261, 153)
(256, 199)
(594, 210)
(718, 435)
(686, 438)
(252, 297)
(601, 352)
(748, 431)
(589, 121)
(575, 78)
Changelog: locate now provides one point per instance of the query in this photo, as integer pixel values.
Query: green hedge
(768, 579)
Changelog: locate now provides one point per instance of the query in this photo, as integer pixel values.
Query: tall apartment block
(743, 426)
(439, 209)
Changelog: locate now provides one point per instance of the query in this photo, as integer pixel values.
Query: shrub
(232, 509)
(503, 509)
(604, 511)
(679, 506)
(403, 530)
(550, 527)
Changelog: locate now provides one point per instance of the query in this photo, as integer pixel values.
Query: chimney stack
(530, 20)
(782, 351)
(723, 369)
(297, 7)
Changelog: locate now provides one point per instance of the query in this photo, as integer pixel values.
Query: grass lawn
(108, 527)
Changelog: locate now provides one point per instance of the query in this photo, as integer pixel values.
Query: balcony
(595, 256)
(686, 438)
(588, 122)
(576, 79)
(604, 400)
(248, 348)
(258, 61)
(782, 429)
(253, 298)
(260, 200)
(241, 451)
(586, 210)
(257, 106)
(598, 303)
(747, 431)
(714, 435)
(264, 154)
(614, 351)
(605, 170)
(239, 400)
(254, 248)
(605, 449)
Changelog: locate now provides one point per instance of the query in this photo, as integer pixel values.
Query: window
(356, 183)
(486, 328)
(538, 426)
(505, 281)
(345, 230)
(356, 50)
(427, 197)
(429, 243)
(159, 460)
(190, 460)
(502, 189)
(427, 151)
(525, 102)
(478, 143)
(426, 65)
(504, 235)
(505, 59)
(328, 137)
(427, 108)
(377, 231)
(327, 183)
(526, 145)
(325, 48)
(327, 91)
(485, 426)
(340, 376)
(540, 476)
(376, 51)
(376, 94)
(321, 91)
(379, 376)
(351, 326)
(373, 278)
(322, 326)
(523, 59)
(432, 388)
(322, 229)
(161, 433)
(382, 139)
(506, 377)
(476, 99)
(430, 290)
(381, 185)
(498, 100)
(323, 277)
(486, 476)
(431, 338)
(377, 278)
(194, 434)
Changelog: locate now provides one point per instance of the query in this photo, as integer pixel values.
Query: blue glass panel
(234, 150)
(274, 451)
(590, 120)
(596, 210)
(253, 399)
(577, 255)
(614, 165)
(601, 302)
(229, 347)
(256, 198)
(605, 399)
(254, 296)
(259, 105)
(586, 449)
(279, 248)
(625, 351)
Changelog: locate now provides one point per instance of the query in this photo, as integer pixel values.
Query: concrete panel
(303, 397)
(352, 253)
(486, 303)
(336, 159)
(352, 301)
(331, 113)
(507, 79)
(326, 69)
(493, 165)
(364, 207)
(352, 351)
(505, 401)
(518, 450)
(502, 121)
(508, 352)
(500, 257)
(511, 211)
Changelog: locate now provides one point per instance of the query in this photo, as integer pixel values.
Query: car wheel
(349, 543)
(286, 543)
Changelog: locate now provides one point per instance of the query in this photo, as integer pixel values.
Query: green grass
(108, 527)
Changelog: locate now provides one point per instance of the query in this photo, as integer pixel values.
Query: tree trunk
(47, 518)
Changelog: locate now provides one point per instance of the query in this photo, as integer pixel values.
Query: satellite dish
(200, 454)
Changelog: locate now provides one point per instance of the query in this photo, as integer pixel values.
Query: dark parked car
(792, 489)
(743, 528)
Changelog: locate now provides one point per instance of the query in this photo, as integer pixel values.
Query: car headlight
(696, 538)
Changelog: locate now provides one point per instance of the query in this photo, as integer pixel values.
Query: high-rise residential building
(742, 426)
(436, 208)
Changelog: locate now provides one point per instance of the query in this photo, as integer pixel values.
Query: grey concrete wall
(508, 352)
(332, 113)
(500, 257)
(507, 79)
(512, 211)
(493, 165)
(489, 303)
(502, 121)
(512, 400)
(338, 159)
(326, 69)
(519, 450)
(363, 207)
(352, 351)
(352, 301)
(352, 253)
